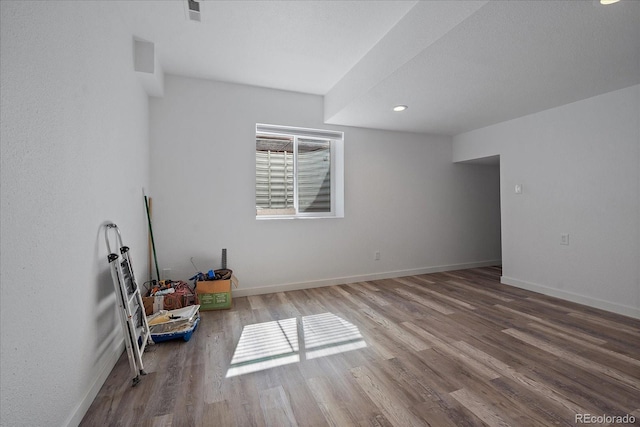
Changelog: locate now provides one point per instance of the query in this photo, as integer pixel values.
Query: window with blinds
(294, 169)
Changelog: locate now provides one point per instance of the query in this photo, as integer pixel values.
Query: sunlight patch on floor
(270, 344)
(326, 334)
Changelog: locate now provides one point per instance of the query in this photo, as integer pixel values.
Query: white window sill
(272, 217)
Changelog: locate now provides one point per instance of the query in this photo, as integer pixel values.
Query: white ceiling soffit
(458, 65)
(506, 60)
(425, 23)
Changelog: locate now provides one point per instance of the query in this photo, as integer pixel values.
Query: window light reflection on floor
(265, 345)
(326, 334)
(277, 343)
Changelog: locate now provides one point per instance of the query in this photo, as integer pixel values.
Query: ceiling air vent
(193, 10)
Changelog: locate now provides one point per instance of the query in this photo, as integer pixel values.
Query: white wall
(74, 141)
(579, 165)
(403, 196)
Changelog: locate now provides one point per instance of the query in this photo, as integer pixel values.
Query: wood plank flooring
(445, 349)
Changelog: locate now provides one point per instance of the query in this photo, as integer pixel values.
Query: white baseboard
(359, 278)
(624, 310)
(109, 361)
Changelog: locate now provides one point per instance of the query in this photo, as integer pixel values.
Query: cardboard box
(166, 302)
(215, 294)
(153, 304)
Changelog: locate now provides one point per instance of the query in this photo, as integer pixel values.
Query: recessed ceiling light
(400, 108)
(609, 1)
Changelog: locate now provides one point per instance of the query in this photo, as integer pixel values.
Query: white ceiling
(458, 65)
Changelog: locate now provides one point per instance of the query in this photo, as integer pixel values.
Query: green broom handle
(153, 245)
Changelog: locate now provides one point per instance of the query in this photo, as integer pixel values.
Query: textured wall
(74, 153)
(579, 166)
(403, 196)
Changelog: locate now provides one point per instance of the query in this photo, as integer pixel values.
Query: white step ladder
(130, 306)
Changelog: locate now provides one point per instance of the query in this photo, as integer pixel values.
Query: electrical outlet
(518, 189)
(564, 239)
(166, 274)
(376, 256)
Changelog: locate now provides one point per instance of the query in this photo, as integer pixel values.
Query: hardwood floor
(445, 349)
